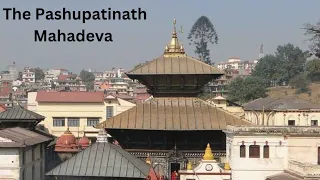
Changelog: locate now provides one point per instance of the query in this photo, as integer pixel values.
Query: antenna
(261, 54)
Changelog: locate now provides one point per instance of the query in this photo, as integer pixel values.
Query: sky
(241, 26)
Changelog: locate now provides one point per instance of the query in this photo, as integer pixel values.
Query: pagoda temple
(174, 126)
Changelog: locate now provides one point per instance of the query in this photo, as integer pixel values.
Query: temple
(174, 126)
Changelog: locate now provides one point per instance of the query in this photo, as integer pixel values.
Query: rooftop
(280, 104)
(70, 97)
(274, 130)
(20, 137)
(186, 114)
(18, 113)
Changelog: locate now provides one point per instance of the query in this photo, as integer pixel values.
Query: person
(174, 175)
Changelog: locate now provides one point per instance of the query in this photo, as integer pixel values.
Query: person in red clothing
(174, 175)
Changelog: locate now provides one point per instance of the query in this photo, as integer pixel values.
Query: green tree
(243, 90)
(269, 68)
(39, 74)
(312, 69)
(300, 83)
(88, 79)
(292, 59)
(201, 35)
(287, 62)
(313, 31)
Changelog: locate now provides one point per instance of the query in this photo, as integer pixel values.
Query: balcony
(304, 169)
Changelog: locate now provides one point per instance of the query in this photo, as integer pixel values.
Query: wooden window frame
(254, 151)
(242, 151)
(314, 120)
(59, 121)
(294, 122)
(266, 151)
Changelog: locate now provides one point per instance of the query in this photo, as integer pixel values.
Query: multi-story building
(218, 87)
(11, 73)
(79, 111)
(289, 111)
(53, 74)
(273, 152)
(28, 75)
(236, 64)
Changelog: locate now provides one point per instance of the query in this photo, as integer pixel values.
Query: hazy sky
(241, 26)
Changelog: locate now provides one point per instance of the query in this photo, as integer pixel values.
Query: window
(314, 122)
(254, 151)
(58, 121)
(318, 155)
(109, 111)
(242, 151)
(73, 122)
(291, 122)
(92, 121)
(265, 151)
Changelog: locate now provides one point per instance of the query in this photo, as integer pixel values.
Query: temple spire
(208, 155)
(174, 48)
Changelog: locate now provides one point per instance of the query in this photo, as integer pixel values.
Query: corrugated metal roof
(283, 176)
(19, 113)
(287, 103)
(175, 65)
(21, 137)
(103, 160)
(173, 114)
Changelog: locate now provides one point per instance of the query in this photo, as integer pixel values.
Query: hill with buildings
(313, 96)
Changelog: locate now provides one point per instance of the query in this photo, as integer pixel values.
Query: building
(208, 168)
(218, 87)
(11, 73)
(101, 160)
(79, 111)
(227, 105)
(28, 75)
(287, 111)
(174, 126)
(22, 154)
(236, 64)
(273, 152)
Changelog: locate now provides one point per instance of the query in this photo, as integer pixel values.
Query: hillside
(314, 97)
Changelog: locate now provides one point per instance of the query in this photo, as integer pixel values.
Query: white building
(286, 153)
(236, 64)
(28, 75)
(289, 111)
(22, 154)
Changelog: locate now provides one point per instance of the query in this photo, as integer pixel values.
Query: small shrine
(208, 168)
(67, 145)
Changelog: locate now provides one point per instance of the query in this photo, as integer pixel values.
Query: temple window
(58, 121)
(92, 121)
(242, 151)
(73, 122)
(291, 122)
(318, 155)
(314, 122)
(266, 151)
(109, 111)
(254, 151)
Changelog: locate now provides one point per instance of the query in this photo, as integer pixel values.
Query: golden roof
(175, 61)
(148, 159)
(226, 166)
(173, 113)
(208, 155)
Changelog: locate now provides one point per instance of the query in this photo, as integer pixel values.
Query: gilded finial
(189, 166)
(226, 166)
(208, 155)
(174, 48)
(148, 159)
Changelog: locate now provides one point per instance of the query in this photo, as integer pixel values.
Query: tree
(39, 74)
(202, 33)
(243, 90)
(312, 69)
(20, 76)
(300, 83)
(269, 69)
(88, 79)
(292, 59)
(313, 31)
(288, 61)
